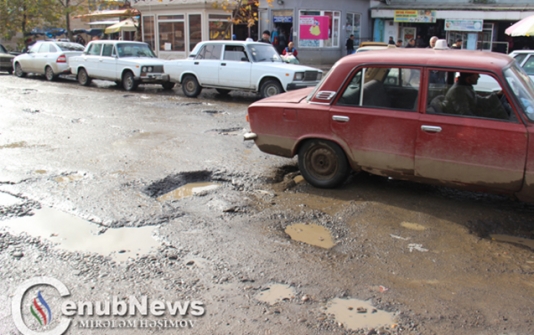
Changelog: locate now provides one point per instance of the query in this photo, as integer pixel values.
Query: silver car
(525, 59)
(48, 58)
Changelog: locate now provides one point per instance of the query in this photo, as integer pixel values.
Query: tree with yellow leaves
(243, 11)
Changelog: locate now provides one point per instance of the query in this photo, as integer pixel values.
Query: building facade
(319, 29)
(479, 24)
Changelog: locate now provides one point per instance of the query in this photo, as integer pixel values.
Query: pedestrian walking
(350, 45)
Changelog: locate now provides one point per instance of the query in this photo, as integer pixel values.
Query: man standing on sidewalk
(350, 45)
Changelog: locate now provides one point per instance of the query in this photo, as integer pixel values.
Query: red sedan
(450, 117)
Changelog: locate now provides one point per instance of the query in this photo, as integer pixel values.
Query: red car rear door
(378, 124)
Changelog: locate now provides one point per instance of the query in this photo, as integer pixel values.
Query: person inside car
(462, 99)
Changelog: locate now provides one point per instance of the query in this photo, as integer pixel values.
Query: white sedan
(239, 65)
(48, 58)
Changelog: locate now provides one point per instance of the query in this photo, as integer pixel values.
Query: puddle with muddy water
(275, 293)
(312, 234)
(358, 314)
(74, 234)
(188, 190)
(413, 226)
(512, 239)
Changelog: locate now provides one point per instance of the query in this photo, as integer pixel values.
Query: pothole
(174, 182)
(282, 171)
(513, 239)
(213, 111)
(14, 145)
(276, 293)
(413, 226)
(234, 131)
(75, 234)
(68, 178)
(312, 234)
(357, 314)
(188, 190)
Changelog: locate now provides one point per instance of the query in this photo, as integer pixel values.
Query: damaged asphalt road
(153, 194)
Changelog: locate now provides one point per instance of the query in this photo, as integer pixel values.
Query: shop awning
(110, 13)
(126, 25)
(524, 27)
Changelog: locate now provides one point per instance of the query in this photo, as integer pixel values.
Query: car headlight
(299, 76)
(143, 69)
(150, 68)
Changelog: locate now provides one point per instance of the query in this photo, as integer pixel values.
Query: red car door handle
(431, 129)
(340, 118)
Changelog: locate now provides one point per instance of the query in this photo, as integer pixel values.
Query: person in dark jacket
(265, 37)
(350, 45)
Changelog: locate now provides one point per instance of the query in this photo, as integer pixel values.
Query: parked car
(48, 58)
(239, 65)
(394, 113)
(6, 60)
(125, 62)
(525, 58)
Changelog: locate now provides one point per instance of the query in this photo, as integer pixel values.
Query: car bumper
(153, 78)
(296, 86)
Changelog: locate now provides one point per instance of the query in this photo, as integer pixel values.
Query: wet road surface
(150, 193)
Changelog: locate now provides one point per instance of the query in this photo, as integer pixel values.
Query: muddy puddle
(413, 226)
(68, 178)
(311, 234)
(512, 239)
(74, 234)
(188, 190)
(357, 314)
(276, 293)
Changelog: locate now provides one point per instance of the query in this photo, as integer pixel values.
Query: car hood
(293, 97)
(141, 60)
(6, 55)
(288, 66)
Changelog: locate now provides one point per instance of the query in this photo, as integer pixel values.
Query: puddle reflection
(312, 234)
(75, 234)
(275, 293)
(357, 314)
(188, 190)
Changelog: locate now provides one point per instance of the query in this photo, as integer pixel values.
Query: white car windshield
(134, 50)
(523, 88)
(263, 52)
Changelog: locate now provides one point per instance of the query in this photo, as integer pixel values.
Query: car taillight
(61, 59)
(247, 118)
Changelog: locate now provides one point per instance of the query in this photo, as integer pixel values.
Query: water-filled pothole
(170, 183)
(188, 190)
(276, 293)
(513, 239)
(75, 234)
(356, 314)
(413, 226)
(312, 234)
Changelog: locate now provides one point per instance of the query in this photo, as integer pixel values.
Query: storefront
(173, 29)
(477, 29)
(318, 31)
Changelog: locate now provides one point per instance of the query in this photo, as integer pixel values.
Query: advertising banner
(416, 16)
(463, 25)
(314, 27)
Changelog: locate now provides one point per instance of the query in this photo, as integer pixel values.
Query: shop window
(171, 32)
(195, 30)
(220, 27)
(319, 29)
(148, 31)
